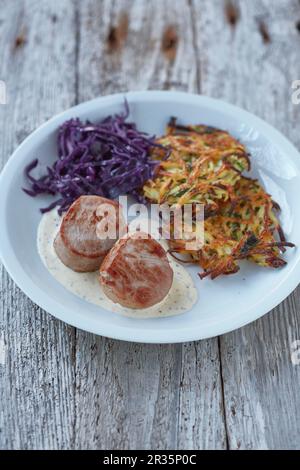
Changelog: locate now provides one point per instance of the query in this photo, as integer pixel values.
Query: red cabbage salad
(108, 159)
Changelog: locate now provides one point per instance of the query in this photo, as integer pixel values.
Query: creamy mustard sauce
(181, 297)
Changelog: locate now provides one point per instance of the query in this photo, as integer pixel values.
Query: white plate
(224, 304)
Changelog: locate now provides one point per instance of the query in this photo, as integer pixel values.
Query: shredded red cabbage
(106, 159)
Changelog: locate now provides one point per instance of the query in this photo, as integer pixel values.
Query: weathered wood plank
(140, 396)
(37, 45)
(127, 396)
(261, 383)
(137, 396)
(201, 420)
(253, 64)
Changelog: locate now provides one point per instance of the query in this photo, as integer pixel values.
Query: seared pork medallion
(77, 243)
(136, 273)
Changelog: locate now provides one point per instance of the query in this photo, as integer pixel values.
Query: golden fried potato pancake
(205, 166)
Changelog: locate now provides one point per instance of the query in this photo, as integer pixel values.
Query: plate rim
(286, 285)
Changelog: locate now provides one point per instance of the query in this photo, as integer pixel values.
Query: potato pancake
(205, 166)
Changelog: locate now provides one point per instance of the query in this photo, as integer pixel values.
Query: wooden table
(62, 388)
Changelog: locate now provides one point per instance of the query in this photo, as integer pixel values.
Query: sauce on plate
(181, 297)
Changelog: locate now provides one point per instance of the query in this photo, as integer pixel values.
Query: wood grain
(64, 388)
(254, 66)
(37, 378)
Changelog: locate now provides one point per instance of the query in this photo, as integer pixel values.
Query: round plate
(224, 304)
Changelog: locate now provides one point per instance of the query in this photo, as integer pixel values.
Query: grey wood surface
(62, 388)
